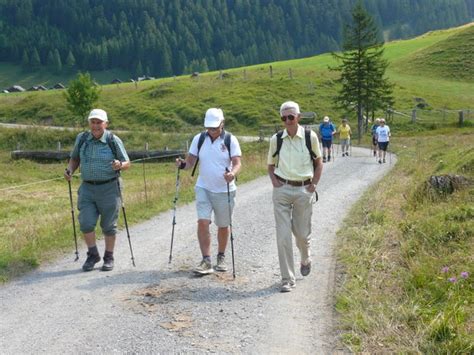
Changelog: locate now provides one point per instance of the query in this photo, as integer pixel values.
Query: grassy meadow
(402, 244)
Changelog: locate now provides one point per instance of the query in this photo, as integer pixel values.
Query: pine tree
(58, 64)
(25, 60)
(35, 61)
(362, 68)
(70, 62)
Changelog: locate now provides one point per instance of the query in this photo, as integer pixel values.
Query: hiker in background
(294, 167)
(383, 136)
(100, 155)
(327, 130)
(344, 131)
(374, 135)
(217, 150)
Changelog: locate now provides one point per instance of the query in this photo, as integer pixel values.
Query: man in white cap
(219, 155)
(294, 167)
(100, 154)
(327, 130)
(383, 137)
(373, 130)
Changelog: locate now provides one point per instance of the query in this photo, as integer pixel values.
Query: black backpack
(307, 138)
(110, 142)
(202, 137)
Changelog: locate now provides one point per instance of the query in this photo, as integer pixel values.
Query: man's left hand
(229, 176)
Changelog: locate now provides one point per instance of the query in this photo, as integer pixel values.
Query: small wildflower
(445, 269)
(464, 274)
(452, 279)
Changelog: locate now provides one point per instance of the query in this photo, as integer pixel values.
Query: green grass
(395, 296)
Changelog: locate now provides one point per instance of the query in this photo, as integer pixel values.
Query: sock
(108, 254)
(207, 258)
(221, 254)
(93, 250)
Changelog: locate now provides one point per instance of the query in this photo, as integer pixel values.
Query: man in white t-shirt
(382, 134)
(217, 171)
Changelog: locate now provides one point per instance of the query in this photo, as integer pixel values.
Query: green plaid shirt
(96, 156)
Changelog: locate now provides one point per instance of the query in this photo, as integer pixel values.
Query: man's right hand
(180, 163)
(67, 175)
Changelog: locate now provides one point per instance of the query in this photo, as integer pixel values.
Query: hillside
(162, 38)
(451, 58)
(249, 96)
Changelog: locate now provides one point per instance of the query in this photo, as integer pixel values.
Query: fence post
(220, 74)
(461, 118)
(413, 116)
(245, 74)
(59, 146)
(290, 73)
(271, 71)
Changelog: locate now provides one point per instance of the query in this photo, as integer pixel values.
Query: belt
(100, 182)
(294, 183)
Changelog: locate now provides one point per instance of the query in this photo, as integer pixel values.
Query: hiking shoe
(286, 286)
(329, 158)
(380, 161)
(375, 153)
(383, 160)
(305, 269)
(91, 260)
(324, 159)
(221, 265)
(204, 268)
(108, 263)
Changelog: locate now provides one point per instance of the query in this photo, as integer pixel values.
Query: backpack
(307, 138)
(202, 137)
(110, 142)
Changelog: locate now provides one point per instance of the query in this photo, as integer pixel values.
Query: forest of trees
(171, 37)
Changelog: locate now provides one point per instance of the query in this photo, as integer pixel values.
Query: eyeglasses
(213, 129)
(289, 117)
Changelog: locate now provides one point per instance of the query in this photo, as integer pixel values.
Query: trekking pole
(73, 220)
(230, 226)
(174, 213)
(124, 216)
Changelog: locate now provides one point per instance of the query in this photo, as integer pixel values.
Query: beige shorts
(217, 202)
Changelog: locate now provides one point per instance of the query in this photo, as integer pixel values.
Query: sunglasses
(213, 129)
(289, 117)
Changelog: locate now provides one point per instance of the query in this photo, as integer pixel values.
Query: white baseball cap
(289, 107)
(213, 118)
(99, 114)
(326, 119)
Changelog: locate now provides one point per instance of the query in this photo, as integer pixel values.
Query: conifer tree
(70, 62)
(362, 68)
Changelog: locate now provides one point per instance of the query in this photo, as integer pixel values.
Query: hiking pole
(124, 215)
(230, 226)
(73, 219)
(174, 213)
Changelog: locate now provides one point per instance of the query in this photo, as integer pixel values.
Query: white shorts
(207, 201)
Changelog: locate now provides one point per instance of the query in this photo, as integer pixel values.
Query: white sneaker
(286, 286)
(204, 268)
(221, 265)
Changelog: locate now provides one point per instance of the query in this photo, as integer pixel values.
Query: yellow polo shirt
(294, 161)
(344, 132)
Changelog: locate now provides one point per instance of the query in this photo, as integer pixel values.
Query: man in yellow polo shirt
(294, 173)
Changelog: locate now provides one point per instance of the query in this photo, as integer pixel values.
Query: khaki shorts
(207, 202)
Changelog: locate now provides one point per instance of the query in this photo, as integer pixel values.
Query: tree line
(163, 38)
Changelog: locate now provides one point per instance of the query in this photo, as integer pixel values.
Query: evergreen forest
(164, 38)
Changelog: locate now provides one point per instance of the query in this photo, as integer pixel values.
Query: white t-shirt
(383, 133)
(213, 159)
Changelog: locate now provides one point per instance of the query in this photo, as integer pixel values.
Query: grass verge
(405, 256)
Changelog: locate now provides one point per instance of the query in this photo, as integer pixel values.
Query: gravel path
(161, 308)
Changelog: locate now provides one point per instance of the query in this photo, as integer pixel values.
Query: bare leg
(109, 243)
(89, 238)
(204, 237)
(222, 238)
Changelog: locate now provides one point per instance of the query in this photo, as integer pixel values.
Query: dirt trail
(160, 308)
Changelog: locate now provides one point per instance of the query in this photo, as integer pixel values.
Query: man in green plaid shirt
(101, 155)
